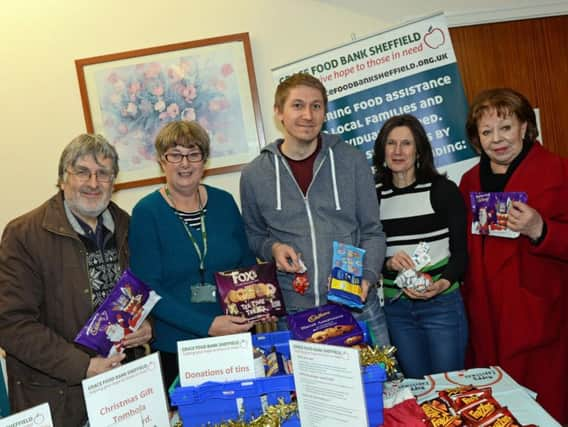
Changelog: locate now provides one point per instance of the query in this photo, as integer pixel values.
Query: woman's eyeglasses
(193, 157)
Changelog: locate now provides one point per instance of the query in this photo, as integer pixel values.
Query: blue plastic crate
(373, 378)
(279, 340)
(216, 402)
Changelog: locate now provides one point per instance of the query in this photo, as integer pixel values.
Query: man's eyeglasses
(84, 175)
(193, 157)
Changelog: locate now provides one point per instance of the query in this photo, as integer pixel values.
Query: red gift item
(301, 283)
(448, 396)
(461, 400)
(502, 417)
(434, 408)
(406, 413)
(445, 420)
(438, 414)
(480, 410)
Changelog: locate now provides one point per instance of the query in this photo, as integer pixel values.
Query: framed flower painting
(127, 97)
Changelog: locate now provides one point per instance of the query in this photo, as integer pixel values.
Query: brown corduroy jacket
(45, 299)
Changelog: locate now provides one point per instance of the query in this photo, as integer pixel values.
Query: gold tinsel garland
(380, 355)
(274, 416)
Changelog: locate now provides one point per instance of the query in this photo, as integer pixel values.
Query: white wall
(40, 105)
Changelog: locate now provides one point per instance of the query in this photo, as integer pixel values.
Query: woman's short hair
(188, 134)
(293, 81)
(86, 144)
(425, 169)
(506, 102)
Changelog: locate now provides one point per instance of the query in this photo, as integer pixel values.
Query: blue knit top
(163, 256)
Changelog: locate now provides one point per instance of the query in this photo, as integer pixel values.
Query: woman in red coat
(516, 290)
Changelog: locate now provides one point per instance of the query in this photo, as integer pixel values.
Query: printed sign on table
(225, 358)
(328, 385)
(410, 69)
(130, 395)
(38, 416)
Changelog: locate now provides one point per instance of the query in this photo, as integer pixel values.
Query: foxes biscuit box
(252, 292)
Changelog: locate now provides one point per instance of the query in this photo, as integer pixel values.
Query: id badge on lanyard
(203, 293)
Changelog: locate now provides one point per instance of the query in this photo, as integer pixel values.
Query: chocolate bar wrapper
(121, 313)
(462, 400)
(502, 417)
(445, 421)
(329, 324)
(346, 275)
(479, 410)
(252, 292)
(449, 394)
(490, 212)
(439, 414)
(435, 408)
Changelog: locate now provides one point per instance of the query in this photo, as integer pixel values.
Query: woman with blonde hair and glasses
(180, 235)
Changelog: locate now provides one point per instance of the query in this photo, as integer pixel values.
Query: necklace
(200, 255)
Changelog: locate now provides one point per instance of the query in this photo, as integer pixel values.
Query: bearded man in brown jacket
(57, 264)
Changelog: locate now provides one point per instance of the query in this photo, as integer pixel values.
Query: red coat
(516, 294)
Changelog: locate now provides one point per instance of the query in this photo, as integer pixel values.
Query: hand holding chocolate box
(490, 212)
(121, 313)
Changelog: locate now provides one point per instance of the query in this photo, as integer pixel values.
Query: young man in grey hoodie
(305, 191)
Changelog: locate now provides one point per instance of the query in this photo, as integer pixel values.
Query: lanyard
(200, 255)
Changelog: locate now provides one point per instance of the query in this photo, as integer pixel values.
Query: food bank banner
(410, 69)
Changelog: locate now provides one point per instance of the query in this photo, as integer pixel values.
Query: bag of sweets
(252, 292)
(346, 275)
(121, 313)
(414, 278)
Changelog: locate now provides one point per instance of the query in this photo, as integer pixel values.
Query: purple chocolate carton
(328, 324)
(252, 292)
(120, 314)
(490, 212)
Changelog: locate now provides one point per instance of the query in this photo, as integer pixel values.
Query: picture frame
(127, 97)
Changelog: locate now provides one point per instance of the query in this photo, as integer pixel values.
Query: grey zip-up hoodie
(340, 204)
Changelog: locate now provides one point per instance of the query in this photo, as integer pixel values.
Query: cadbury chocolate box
(121, 313)
(329, 324)
(490, 213)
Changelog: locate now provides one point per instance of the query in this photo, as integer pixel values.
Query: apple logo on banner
(434, 38)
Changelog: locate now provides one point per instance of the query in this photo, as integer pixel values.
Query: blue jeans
(374, 316)
(430, 336)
